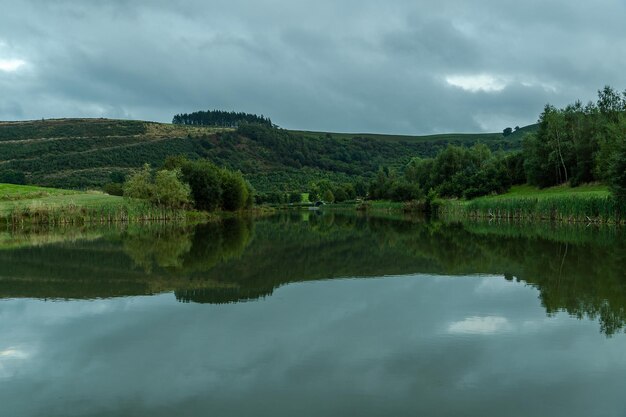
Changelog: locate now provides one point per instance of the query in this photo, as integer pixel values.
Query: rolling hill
(88, 153)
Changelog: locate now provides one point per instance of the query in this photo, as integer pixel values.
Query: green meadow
(28, 204)
(14, 197)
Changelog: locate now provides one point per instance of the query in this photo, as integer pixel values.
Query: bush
(295, 197)
(13, 177)
(140, 185)
(204, 178)
(114, 188)
(234, 191)
(165, 189)
(170, 191)
(328, 196)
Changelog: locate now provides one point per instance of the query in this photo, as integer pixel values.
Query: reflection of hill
(579, 270)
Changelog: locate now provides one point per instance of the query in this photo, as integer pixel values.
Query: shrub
(114, 188)
(204, 179)
(140, 185)
(170, 191)
(234, 191)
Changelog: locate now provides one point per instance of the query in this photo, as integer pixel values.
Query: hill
(88, 153)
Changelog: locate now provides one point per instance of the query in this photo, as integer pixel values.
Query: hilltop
(88, 153)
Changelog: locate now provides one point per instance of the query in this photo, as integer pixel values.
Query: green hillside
(88, 153)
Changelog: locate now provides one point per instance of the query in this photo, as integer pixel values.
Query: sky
(399, 66)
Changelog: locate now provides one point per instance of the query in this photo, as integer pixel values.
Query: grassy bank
(26, 204)
(586, 203)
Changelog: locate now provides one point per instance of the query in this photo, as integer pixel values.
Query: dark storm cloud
(400, 66)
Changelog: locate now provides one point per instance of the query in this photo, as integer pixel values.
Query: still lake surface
(314, 314)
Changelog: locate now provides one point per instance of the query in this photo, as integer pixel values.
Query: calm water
(314, 315)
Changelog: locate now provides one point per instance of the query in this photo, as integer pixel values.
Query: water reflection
(575, 268)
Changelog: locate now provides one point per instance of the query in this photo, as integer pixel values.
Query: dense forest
(219, 118)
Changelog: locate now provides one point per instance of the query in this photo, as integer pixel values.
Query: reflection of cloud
(495, 285)
(480, 325)
(6, 356)
(13, 353)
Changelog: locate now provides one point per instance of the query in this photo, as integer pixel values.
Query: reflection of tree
(164, 246)
(575, 269)
(579, 272)
(217, 242)
(186, 249)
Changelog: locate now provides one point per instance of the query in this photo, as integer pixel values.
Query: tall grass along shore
(26, 204)
(589, 203)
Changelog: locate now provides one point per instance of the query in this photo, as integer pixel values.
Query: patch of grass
(384, 205)
(12, 192)
(561, 190)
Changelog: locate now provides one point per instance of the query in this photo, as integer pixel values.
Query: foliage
(234, 191)
(206, 186)
(164, 189)
(219, 118)
(453, 172)
(576, 144)
(170, 191)
(295, 197)
(140, 185)
(113, 188)
(213, 187)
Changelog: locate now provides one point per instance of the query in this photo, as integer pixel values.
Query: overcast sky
(397, 66)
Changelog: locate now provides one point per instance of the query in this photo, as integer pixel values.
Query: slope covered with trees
(90, 153)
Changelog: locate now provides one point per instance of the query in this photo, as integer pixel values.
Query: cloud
(475, 83)
(11, 65)
(399, 67)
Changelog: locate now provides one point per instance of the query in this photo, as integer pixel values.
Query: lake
(314, 314)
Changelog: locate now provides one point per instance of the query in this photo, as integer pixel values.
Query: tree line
(220, 118)
(580, 143)
(574, 145)
(455, 172)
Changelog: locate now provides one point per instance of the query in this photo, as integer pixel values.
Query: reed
(566, 208)
(72, 214)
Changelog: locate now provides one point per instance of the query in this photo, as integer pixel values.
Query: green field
(14, 197)
(20, 204)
